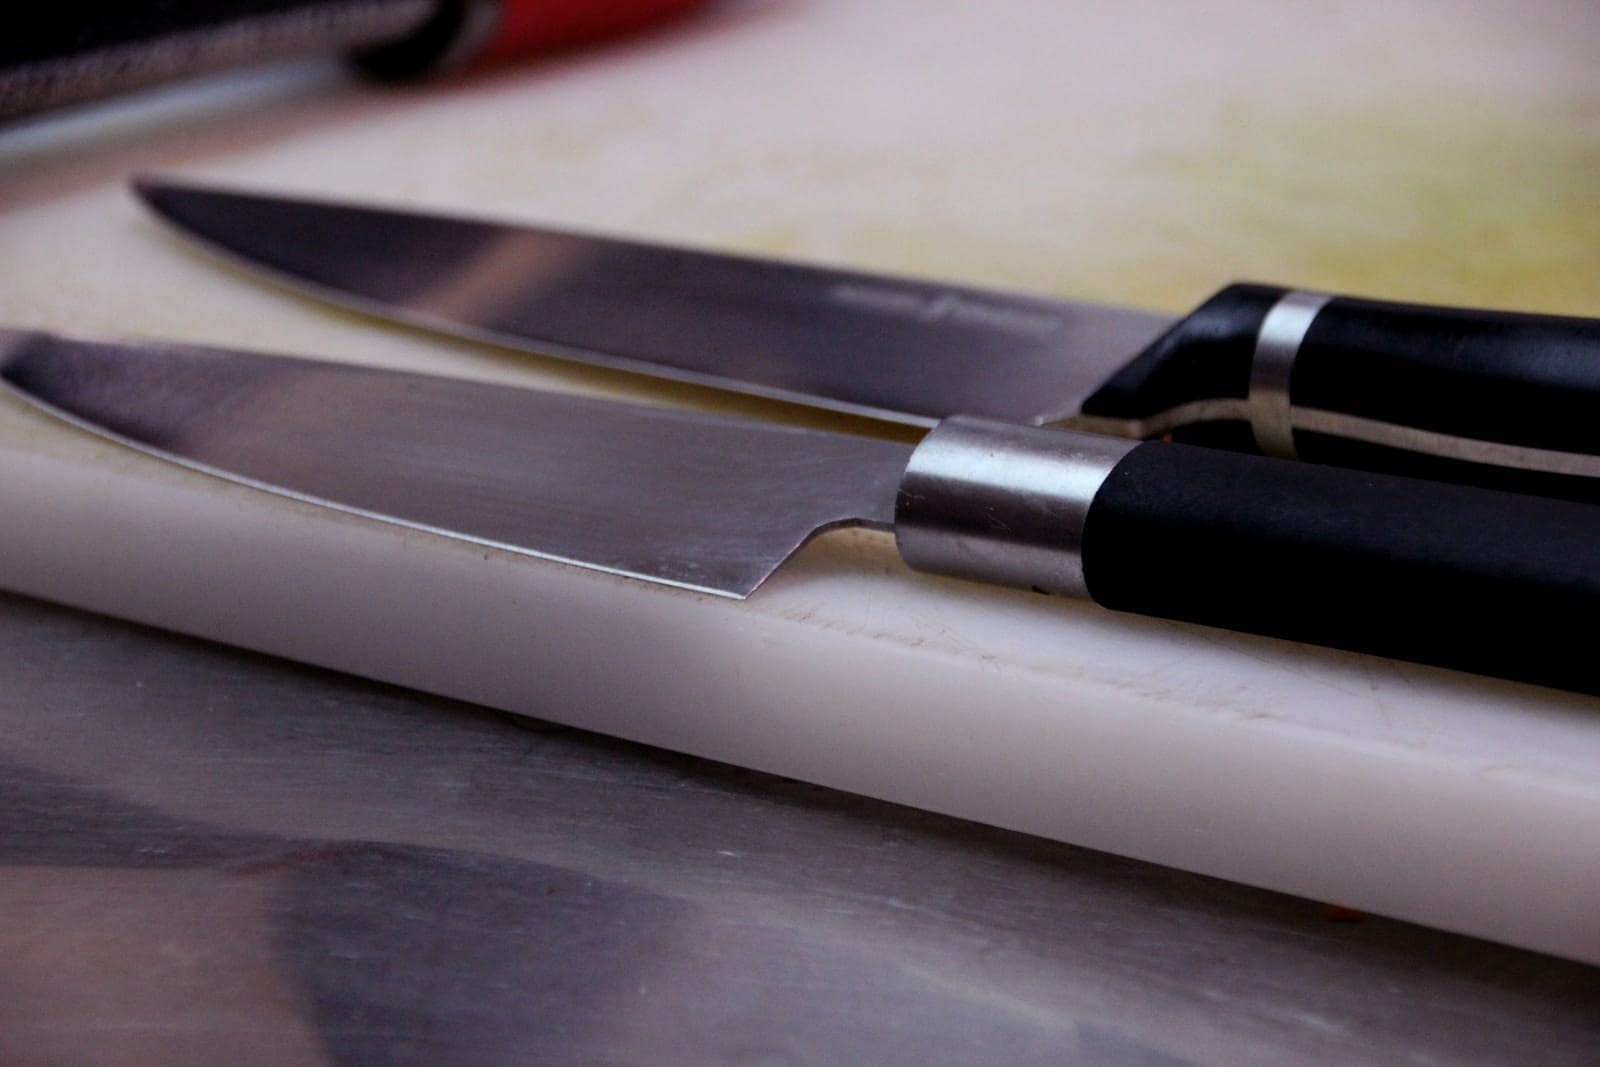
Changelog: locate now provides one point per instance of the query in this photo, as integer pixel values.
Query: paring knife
(1497, 398)
(1445, 574)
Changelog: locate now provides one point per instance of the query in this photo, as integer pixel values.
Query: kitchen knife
(1497, 398)
(1445, 574)
(69, 55)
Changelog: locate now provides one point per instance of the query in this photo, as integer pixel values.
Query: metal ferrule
(997, 502)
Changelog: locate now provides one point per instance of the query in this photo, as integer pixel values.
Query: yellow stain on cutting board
(1454, 202)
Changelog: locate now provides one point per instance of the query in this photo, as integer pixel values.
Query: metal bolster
(1278, 342)
(997, 502)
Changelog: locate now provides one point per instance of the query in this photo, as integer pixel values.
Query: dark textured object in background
(73, 52)
(76, 52)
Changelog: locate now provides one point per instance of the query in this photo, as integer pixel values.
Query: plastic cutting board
(1146, 155)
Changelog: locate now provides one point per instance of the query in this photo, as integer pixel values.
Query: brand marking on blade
(951, 307)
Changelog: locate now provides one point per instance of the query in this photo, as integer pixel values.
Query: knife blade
(1490, 397)
(1452, 575)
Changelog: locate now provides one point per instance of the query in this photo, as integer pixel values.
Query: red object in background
(543, 25)
(75, 52)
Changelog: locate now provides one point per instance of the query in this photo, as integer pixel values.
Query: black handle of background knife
(1482, 397)
(1458, 576)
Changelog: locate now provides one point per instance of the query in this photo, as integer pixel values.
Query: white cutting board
(1142, 152)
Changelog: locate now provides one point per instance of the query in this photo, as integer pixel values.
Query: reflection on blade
(893, 348)
(707, 503)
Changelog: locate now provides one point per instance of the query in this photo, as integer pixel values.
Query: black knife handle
(1452, 575)
(1458, 576)
(1482, 397)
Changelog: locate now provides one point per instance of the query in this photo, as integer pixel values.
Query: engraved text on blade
(944, 307)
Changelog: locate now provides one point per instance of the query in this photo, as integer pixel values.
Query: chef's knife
(1498, 398)
(1446, 574)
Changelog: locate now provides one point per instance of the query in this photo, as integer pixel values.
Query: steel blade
(703, 502)
(900, 349)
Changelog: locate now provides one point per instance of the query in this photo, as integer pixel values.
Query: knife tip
(150, 188)
(161, 192)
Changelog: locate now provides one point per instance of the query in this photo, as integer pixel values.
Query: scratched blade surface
(892, 348)
(698, 501)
